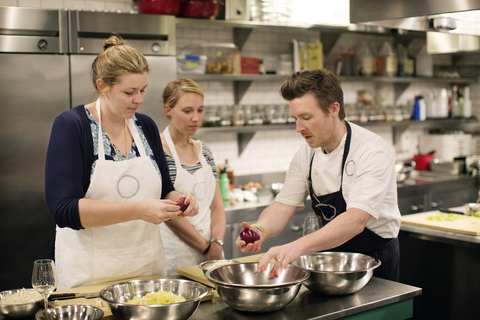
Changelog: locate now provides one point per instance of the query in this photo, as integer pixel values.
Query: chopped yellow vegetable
(155, 298)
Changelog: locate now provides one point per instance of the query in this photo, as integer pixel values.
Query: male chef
(349, 173)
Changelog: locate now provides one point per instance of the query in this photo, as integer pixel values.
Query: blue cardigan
(70, 158)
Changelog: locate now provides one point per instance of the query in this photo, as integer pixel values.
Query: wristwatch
(217, 240)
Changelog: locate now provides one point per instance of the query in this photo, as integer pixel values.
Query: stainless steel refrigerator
(34, 89)
(45, 69)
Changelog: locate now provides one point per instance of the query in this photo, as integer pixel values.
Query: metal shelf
(245, 133)
(277, 77)
(241, 82)
(247, 24)
(236, 77)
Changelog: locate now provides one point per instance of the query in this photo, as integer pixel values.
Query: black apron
(328, 206)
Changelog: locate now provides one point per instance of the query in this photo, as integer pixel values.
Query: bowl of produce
(337, 273)
(245, 289)
(70, 312)
(210, 264)
(20, 303)
(154, 298)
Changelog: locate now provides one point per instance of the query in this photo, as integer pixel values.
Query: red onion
(249, 236)
(181, 203)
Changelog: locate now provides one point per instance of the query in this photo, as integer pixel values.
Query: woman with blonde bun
(189, 241)
(107, 183)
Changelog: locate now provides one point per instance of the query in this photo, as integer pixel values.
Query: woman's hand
(214, 253)
(192, 205)
(250, 247)
(158, 210)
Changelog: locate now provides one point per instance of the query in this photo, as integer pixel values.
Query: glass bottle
(345, 61)
(402, 58)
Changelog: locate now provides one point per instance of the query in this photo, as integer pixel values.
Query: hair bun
(114, 40)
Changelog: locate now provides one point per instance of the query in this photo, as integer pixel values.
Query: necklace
(115, 149)
(189, 161)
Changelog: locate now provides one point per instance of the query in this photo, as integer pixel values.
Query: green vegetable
(444, 217)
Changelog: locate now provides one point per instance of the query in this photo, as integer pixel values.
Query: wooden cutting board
(465, 224)
(99, 303)
(196, 274)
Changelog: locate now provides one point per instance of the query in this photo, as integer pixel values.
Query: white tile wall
(271, 151)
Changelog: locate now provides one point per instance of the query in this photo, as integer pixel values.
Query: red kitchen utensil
(422, 161)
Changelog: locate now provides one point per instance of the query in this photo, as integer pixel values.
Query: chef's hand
(158, 210)
(282, 255)
(250, 247)
(192, 205)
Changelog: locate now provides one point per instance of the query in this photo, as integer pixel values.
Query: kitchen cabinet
(445, 265)
(447, 191)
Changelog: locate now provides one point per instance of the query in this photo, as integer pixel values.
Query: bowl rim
(377, 264)
(17, 290)
(258, 286)
(202, 265)
(200, 297)
(40, 313)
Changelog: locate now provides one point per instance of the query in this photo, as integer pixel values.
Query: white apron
(118, 251)
(202, 184)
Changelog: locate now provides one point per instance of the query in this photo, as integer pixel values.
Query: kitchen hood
(451, 25)
(452, 16)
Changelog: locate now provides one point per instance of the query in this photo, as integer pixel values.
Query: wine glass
(44, 278)
(311, 224)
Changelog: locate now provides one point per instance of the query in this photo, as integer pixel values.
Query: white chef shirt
(369, 180)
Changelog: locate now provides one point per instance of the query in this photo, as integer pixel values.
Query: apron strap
(171, 146)
(133, 129)
(101, 150)
(136, 138)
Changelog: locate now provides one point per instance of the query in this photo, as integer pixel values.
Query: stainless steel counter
(378, 293)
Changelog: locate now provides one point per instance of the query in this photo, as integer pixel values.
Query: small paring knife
(64, 296)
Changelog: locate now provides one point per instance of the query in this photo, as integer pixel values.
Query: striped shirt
(207, 153)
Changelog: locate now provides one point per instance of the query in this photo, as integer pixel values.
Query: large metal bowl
(118, 294)
(337, 273)
(70, 312)
(244, 289)
(19, 311)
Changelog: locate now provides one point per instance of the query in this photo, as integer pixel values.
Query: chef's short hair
(176, 88)
(323, 84)
(116, 60)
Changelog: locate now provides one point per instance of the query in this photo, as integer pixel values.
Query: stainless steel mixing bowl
(116, 295)
(244, 289)
(70, 312)
(19, 311)
(337, 273)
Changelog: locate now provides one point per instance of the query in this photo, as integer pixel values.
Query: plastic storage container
(424, 66)
(366, 60)
(219, 56)
(386, 61)
(191, 64)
